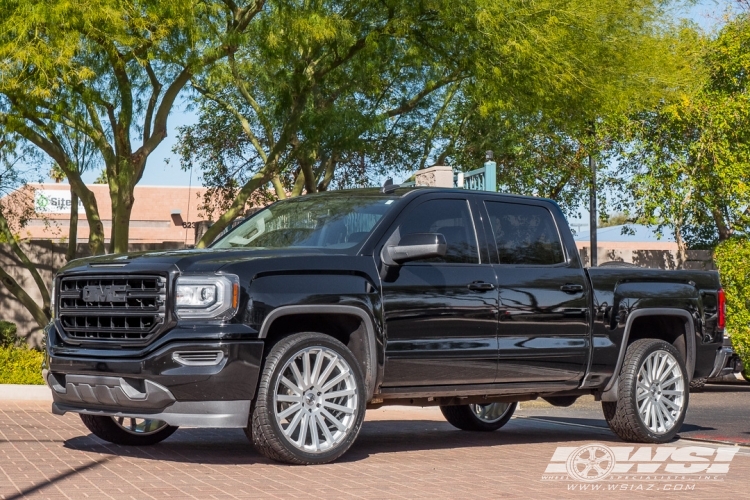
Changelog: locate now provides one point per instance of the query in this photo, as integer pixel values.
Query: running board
(452, 391)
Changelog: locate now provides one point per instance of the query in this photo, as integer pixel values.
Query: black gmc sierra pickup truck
(319, 307)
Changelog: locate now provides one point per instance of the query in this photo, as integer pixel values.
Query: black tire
(105, 428)
(698, 384)
(463, 417)
(265, 431)
(623, 416)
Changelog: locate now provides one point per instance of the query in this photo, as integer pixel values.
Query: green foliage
(337, 94)
(690, 156)
(20, 365)
(733, 260)
(8, 334)
(101, 178)
(107, 74)
(544, 106)
(617, 219)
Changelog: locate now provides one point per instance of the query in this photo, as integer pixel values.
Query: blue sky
(163, 168)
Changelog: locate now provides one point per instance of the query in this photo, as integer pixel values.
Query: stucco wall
(48, 257)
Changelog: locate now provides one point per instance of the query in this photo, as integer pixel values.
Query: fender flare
(610, 390)
(371, 370)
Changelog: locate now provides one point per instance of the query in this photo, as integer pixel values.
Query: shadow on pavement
(230, 446)
(692, 428)
(741, 387)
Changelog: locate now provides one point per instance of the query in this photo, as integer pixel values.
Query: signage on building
(48, 201)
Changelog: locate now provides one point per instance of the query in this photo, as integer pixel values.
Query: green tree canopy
(690, 156)
(111, 70)
(319, 90)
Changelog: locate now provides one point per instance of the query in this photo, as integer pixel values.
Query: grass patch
(20, 365)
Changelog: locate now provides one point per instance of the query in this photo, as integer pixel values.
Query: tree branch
(39, 315)
(30, 267)
(156, 90)
(259, 179)
(414, 101)
(251, 101)
(243, 121)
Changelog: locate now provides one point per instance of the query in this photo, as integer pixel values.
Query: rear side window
(525, 234)
(452, 219)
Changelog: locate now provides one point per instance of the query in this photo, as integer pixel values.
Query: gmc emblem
(110, 293)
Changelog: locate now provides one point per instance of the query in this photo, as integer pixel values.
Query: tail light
(721, 310)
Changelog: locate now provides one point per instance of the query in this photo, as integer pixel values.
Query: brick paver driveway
(401, 453)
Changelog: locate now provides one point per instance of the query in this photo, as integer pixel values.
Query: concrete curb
(14, 392)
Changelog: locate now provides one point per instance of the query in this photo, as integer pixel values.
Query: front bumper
(160, 385)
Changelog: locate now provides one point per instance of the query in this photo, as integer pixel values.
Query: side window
(452, 219)
(525, 234)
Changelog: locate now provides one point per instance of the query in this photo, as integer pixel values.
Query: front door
(441, 315)
(543, 332)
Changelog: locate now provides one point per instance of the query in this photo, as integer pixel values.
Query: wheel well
(348, 329)
(668, 328)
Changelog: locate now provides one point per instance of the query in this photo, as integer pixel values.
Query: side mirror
(416, 246)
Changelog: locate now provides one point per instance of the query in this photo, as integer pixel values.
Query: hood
(197, 261)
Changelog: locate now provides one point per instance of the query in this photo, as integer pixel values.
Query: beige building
(160, 213)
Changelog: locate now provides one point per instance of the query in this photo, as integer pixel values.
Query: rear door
(441, 314)
(543, 322)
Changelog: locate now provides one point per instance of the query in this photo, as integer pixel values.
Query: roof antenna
(389, 186)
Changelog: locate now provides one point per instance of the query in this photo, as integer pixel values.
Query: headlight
(207, 297)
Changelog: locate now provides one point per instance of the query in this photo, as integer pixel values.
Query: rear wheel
(311, 401)
(477, 417)
(128, 431)
(652, 393)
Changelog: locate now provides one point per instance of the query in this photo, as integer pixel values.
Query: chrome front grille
(119, 309)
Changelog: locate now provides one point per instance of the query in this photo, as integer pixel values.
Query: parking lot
(401, 453)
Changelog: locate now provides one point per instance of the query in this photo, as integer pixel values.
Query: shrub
(20, 365)
(8, 334)
(733, 260)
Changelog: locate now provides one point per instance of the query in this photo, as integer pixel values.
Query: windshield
(329, 222)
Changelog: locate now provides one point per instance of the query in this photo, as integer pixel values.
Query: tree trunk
(724, 231)
(73, 231)
(681, 257)
(90, 206)
(299, 183)
(121, 212)
(237, 207)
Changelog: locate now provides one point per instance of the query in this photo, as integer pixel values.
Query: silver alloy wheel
(491, 412)
(315, 399)
(660, 392)
(139, 426)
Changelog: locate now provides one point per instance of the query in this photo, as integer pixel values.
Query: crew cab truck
(317, 308)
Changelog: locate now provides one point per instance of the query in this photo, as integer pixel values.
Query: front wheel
(652, 394)
(128, 431)
(476, 417)
(311, 401)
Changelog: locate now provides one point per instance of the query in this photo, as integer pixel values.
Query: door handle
(480, 286)
(571, 288)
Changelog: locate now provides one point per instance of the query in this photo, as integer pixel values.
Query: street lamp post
(592, 210)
